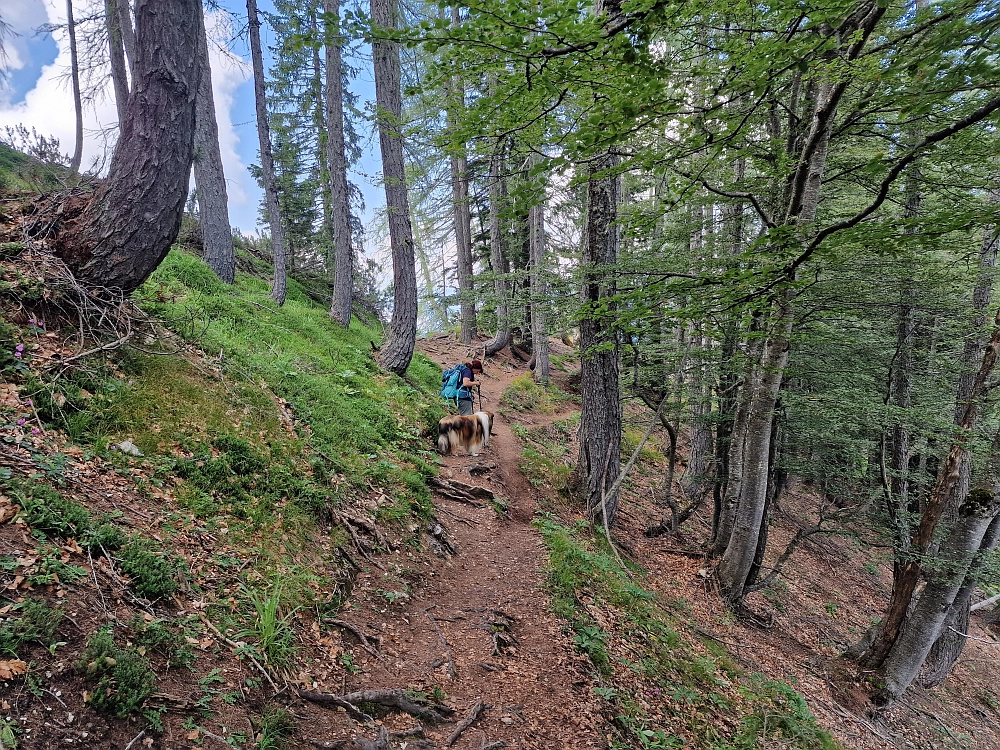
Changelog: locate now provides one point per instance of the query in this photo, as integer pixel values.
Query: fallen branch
(239, 649)
(461, 492)
(326, 699)
(452, 669)
(361, 636)
(465, 723)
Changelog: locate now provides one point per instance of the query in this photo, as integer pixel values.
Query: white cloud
(48, 106)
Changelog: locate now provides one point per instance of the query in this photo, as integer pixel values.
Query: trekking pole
(480, 390)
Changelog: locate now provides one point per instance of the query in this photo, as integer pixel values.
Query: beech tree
(125, 230)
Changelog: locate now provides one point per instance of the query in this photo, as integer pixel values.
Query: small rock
(127, 446)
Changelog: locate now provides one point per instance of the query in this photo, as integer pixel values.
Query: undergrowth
(665, 688)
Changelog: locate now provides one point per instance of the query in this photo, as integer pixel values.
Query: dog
(470, 433)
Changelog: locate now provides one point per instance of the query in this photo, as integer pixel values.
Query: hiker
(469, 370)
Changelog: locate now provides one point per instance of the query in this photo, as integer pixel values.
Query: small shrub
(163, 637)
(45, 510)
(153, 574)
(108, 537)
(124, 678)
(37, 623)
(272, 631)
(274, 728)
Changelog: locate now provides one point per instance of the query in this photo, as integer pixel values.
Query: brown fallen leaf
(7, 509)
(9, 669)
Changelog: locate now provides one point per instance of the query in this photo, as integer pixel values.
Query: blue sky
(35, 95)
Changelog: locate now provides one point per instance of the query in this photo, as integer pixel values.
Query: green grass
(524, 394)
(31, 621)
(666, 688)
(123, 678)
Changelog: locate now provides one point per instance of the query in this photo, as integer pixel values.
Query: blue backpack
(451, 385)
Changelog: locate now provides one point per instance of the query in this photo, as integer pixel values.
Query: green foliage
(270, 625)
(124, 678)
(164, 637)
(153, 573)
(524, 394)
(274, 728)
(31, 621)
(48, 512)
(692, 688)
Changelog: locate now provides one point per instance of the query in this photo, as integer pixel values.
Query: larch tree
(116, 48)
(209, 175)
(74, 64)
(279, 286)
(126, 229)
(458, 162)
(397, 349)
(336, 161)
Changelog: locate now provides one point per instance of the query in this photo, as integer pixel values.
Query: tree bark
(949, 477)
(74, 65)
(119, 66)
(460, 203)
(924, 625)
(336, 158)
(209, 174)
(539, 285)
(498, 252)
(128, 33)
(735, 566)
(126, 229)
(397, 351)
(599, 460)
(280, 285)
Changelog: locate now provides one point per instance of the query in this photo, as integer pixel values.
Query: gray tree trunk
(539, 286)
(600, 433)
(699, 394)
(924, 624)
(280, 285)
(336, 158)
(460, 202)
(498, 251)
(74, 66)
(128, 33)
(128, 226)
(735, 566)
(397, 350)
(119, 66)
(209, 175)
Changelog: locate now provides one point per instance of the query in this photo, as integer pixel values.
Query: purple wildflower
(27, 401)
(17, 354)
(34, 430)
(19, 348)
(21, 420)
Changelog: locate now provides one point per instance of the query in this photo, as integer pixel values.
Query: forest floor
(508, 612)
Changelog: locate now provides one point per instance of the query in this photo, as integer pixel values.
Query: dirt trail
(538, 689)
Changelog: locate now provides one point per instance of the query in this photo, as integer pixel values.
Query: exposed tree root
(391, 699)
(500, 626)
(461, 492)
(366, 640)
(450, 661)
(465, 723)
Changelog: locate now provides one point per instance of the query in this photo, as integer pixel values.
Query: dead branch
(361, 636)
(450, 661)
(326, 699)
(465, 723)
(397, 698)
(239, 649)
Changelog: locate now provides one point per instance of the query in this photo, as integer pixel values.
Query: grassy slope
(665, 685)
(254, 445)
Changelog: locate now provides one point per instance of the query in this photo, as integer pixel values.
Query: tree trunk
(128, 33)
(460, 203)
(126, 229)
(949, 477)
(954, 633)
(209, 175)
(397, 351)
(498, 252)
(280, 284)
(723, 529)
(119, 66)
(74, 66)
(539, 285)
(336, 157)
(599, 460)
(924, 625)
(737, 561)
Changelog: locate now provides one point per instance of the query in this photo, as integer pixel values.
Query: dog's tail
(444, 444)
